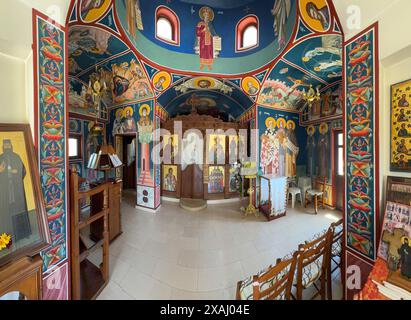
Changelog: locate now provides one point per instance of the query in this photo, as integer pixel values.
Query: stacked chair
(309, 267)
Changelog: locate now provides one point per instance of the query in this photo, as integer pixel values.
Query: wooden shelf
(87, 279)
(91, 280)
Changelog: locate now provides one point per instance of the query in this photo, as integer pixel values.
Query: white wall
(16, 57)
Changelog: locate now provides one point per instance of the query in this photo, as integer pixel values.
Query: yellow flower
(4, 241)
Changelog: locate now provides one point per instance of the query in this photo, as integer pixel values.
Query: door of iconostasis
(200, 165)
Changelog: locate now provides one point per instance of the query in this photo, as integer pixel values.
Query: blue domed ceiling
(227, 14)
(273, 75)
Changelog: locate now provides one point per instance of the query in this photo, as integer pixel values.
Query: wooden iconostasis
(197, 168)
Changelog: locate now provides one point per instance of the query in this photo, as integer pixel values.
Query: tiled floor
(176, 254)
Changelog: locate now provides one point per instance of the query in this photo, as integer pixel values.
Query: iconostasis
(143, 81)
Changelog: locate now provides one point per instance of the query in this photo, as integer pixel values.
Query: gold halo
(211, 12)
(267, 121)
(120, 111)
(403, 240)
(128, 109)
(323, 128)
(292, 123)
(164, 74)
(255, 83)
(145, 106)
(311, 130)
(281, 121)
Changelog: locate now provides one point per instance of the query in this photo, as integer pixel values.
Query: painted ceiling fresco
(300, 47)
(276, 17)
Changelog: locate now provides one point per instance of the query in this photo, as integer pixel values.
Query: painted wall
(397, 69)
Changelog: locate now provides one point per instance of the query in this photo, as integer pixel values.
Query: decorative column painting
(50, 109)
(362, 180)
(147, 189)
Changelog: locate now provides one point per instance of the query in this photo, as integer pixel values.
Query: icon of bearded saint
(14, 218)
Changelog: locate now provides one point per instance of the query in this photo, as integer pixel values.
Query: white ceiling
(16, 23)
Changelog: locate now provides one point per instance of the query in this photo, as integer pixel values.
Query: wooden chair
(316, 194)
(312, 266)
(336, 255)
(273, 284)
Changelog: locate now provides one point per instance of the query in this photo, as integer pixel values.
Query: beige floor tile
(175, 254)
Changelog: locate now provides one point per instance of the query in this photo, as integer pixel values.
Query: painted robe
(205, 32)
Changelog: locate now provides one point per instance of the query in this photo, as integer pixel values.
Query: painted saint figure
(311, 147)
(403, 103)
(320, 15)
(159, 85)
(281, 11)
(129, 123)
(402, 147)
(88, 5)
(118, 123)
(405, 254)
(323, 145)
(14, 215)
(403, 132)
(205, 38)
(170, 182)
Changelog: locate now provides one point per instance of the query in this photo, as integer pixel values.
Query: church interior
(205, 150)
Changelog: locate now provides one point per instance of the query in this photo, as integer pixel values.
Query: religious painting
(170, 178)
(277, 94)
(134, 18)
(281, 12)
(278, 145)
(310, 148)
(322, 56)
(208, 43)
(216, 149)
(204, 83)
(323, 150)
(81, 99)
(234, 178)
(233, 149)
(192, 150)
(23, 221)
(401, 127)
(251, 86)
(129, 82)
(162, 81)
(92, 10)
(145, 136)
(216, 179)
(395, 246)
(316, 14)
(170, 148)
(362, 136)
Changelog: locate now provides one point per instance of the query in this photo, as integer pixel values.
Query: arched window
(167, 26)
(247, 33)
